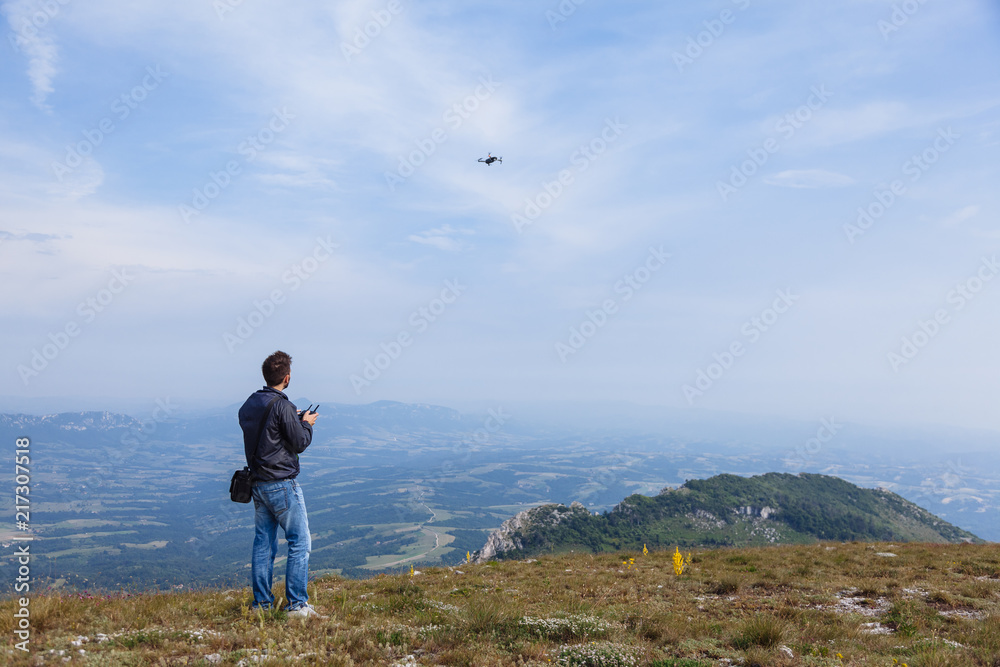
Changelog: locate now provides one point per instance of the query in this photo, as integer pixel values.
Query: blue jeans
(280, 504)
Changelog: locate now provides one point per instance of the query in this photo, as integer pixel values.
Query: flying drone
(489, 159)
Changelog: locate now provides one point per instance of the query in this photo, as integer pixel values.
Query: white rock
(875, 628)
(505, 538)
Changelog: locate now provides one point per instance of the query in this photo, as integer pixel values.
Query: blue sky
(187, 187)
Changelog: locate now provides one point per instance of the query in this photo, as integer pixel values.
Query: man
(274, 434)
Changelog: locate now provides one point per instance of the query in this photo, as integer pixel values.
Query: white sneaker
(305, 611)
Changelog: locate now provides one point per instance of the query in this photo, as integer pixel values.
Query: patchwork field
(113, 508)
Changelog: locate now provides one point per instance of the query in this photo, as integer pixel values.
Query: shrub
(941, 598)
(578, 626)
(900, 620)
(656, 627)
(979, 589)
(597, 654)
(140, 638)
(764, 631)
(757, 656)
(725, 586)
(489, 617)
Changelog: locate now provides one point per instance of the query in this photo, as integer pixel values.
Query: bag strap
(260, 429)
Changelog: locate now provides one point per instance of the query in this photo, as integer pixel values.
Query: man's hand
(309, 418)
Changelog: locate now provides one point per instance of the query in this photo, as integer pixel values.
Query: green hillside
(726, 510)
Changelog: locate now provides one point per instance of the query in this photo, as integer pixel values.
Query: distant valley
(119, 501)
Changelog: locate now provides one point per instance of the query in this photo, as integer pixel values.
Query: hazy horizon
(621, 417)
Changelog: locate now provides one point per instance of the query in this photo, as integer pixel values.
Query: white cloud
(444, 238)
(299, 171)
(870, 119)
(961, 215)
(27, 23)
(28, 173)
(809, 179)
(30, 237)
(80, 182)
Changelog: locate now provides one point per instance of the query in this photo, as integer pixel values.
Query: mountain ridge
(97, 419)
(725, 510)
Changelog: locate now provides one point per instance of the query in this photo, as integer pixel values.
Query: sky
(784, 208)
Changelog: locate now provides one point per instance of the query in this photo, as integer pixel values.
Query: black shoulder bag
(241, 486)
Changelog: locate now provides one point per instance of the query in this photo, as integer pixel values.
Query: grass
(939, 606)
(764, 631)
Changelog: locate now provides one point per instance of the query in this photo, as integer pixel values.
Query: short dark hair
(276, 367)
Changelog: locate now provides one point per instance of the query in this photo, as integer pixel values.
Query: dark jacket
(285, 436)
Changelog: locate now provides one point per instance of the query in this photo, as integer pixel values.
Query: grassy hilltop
(726, 510)
(829, 603)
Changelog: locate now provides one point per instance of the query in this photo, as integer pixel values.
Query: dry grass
(771, 606)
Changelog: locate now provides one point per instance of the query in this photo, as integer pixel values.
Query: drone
(489, 159)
